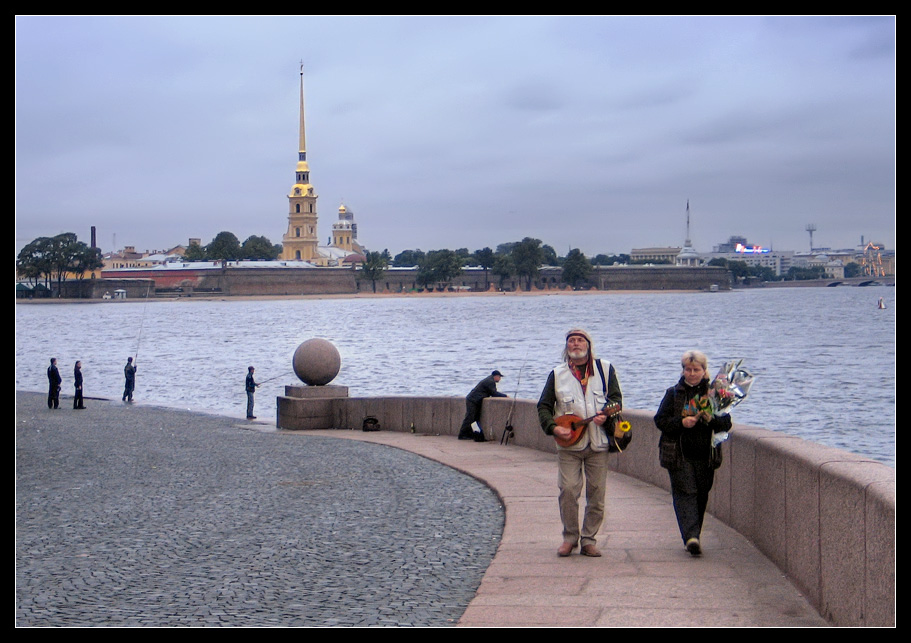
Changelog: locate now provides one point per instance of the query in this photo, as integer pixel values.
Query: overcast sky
(449, 132)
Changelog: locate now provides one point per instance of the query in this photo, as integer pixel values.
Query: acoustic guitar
(577, 425)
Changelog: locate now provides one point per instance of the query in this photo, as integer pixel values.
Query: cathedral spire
(303, 135)
(300, 242)
(688, 243)
(302, 175)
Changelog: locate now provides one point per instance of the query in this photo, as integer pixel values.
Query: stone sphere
(316, 362)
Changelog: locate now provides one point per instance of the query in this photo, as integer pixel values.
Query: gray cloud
(459, 131)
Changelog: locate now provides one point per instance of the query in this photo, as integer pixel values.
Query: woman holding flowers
(687, 423)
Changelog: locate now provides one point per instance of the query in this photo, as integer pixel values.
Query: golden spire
(303, 136)
(300, 243)
(302, 173)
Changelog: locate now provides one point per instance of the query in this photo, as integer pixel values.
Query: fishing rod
(142, 322)
(276, 377)
(508, 429)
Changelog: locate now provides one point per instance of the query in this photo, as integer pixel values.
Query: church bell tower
(300, 242)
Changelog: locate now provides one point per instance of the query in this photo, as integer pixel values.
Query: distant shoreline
(417, 295)
(359, 295)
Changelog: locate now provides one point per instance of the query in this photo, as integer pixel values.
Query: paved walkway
(129, 515)
(644, 579)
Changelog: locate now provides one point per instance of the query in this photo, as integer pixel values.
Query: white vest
(571, 399)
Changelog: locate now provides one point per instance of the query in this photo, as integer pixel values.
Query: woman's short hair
(697, 357)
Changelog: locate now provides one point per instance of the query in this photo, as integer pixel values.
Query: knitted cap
(581, 333)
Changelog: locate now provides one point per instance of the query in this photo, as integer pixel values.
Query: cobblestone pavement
(143, 516)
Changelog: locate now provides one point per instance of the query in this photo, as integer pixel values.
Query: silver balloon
(730, 387)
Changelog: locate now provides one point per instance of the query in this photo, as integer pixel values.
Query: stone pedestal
(311, 392)
(308, 407)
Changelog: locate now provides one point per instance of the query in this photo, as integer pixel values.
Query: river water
(823, 358)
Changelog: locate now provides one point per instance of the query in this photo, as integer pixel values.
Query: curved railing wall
(824, 516)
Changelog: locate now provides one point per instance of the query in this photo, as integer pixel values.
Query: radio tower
(811, 228)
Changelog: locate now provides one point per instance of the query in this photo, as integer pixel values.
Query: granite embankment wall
(253, 280)
(824, 516)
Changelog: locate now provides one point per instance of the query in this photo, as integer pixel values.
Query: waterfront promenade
(136, 515)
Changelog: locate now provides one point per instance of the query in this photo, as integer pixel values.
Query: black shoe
(480, 438)
(466, 437)
(251, 417)
(693, 546)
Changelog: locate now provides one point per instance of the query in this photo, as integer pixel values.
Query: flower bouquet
(729, 388)
(700, 405)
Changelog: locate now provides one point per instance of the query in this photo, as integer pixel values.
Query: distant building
(344, 231)
(739, 249)
(126, 258)
(343, 248)
(663, 255)
(300, 242)
(730, 246)
(129, 257)
(688, 255)
(157, 258)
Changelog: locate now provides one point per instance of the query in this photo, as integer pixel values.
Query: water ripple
(824, 358)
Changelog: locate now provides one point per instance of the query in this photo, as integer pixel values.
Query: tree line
(58, 256)
(227, 247)
(741, 271)
(53, 258)
(49, 259)
(521, 260)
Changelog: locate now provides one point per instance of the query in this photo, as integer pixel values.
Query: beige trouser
(578, 468)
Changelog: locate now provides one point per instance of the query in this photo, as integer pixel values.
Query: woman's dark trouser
(690, 486)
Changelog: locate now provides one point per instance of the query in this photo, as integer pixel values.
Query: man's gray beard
(577, 354)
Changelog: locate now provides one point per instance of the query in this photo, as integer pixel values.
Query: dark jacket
(250, 384)
(485, 388)
(77, 375)
(677, 442)
(53, 376)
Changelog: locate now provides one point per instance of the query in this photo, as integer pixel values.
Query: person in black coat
(685, 447)
(129, 376)
(485, 388)
(77, 382)
(53, 385)
(250, 387)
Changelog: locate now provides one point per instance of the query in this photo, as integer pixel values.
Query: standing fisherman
(251, 389)
(53, 385)
(129, 374)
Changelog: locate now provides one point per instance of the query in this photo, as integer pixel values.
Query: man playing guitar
(585, 387)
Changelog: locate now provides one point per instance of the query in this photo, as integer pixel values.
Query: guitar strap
(603, 379)
(611, 441)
